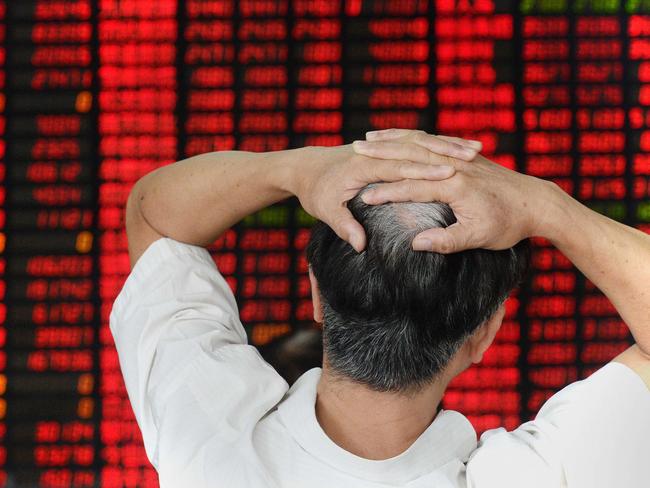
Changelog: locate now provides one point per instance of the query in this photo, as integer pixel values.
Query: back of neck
(370, 424)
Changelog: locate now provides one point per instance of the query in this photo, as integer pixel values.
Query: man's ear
(315, 298)
(484, 335)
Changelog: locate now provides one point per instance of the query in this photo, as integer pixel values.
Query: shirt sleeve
(592, 434)
(188, 370)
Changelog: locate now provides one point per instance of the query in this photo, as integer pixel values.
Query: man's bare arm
(197, 199)
(496, 208)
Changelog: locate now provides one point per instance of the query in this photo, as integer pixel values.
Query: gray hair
(392, 317)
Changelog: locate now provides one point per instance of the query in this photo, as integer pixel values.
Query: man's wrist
(556, 210)
(290, 167)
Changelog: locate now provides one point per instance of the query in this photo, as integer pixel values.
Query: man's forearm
(195, 200)
(615, 257)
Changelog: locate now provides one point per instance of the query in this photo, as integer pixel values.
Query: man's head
(393, 318)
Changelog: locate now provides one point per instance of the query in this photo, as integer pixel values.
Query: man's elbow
(132, 214)
(140, 234)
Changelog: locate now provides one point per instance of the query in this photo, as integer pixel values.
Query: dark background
(94, 94)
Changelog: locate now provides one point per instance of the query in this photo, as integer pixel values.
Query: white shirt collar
(450, 436)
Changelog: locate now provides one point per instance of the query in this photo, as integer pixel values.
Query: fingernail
(422, 244)
(360, 144)
(468, 153)
(367, 197)
(372, 133)
(476, 144)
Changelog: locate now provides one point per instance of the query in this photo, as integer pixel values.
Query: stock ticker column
(137, 133)
(316, 102)
(474, 72)
(51, 410)
(236, 93)
(548, 138)
(573, 122)
(386, 57)
(265, 258)
(638, 103)
(207, 96)
(598, 56)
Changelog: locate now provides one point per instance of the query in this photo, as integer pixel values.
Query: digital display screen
(95, 94)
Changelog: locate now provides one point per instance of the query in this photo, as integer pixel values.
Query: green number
(643, 211)
(634, 6)
(268, 217)
(544, 6)
(554, 6)
(580, 5)
(606, 6)
(526, 6)
(613, 210)
(303, 219)
(597, 6)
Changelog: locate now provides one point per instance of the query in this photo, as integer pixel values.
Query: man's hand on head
(335, 175)
(495, 207)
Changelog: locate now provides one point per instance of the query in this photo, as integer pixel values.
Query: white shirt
(214, 413)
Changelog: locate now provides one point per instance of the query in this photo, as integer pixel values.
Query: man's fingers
(471, 143)
(408, 190)
(387, 134)
(447, 145)
(401, 150)
(389, 170)
(392, 150)
(421, 147)
(446, 240)
(347, 228)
